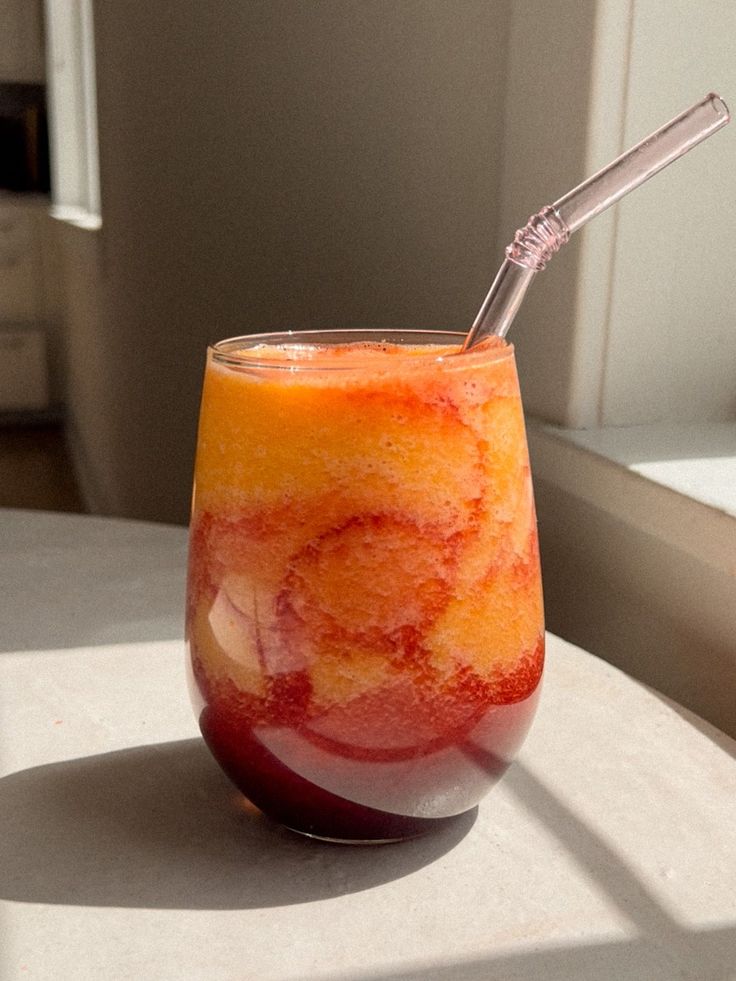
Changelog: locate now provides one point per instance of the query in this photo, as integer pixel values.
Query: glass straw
(547, 231)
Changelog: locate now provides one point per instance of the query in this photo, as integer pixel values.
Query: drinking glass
(364, 606)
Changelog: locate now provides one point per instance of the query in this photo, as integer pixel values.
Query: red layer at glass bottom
(302, 805)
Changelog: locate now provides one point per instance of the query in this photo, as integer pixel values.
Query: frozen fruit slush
(364, 605)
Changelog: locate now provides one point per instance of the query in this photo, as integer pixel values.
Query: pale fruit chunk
(225, 644)
(278, 652)
(233, 633)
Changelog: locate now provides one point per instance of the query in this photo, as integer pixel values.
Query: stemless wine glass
(364, 609)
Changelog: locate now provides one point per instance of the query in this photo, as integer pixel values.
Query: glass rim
(237, 352)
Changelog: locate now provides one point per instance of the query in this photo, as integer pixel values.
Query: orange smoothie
(364, 606)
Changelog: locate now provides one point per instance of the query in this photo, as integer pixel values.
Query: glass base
(353, 841)
(300, 805)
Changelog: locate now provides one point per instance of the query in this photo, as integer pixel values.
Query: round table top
(607, 851)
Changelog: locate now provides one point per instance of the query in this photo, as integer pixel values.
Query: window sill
(677, 483)
(638, 538)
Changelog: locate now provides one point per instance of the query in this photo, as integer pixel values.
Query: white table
(608, 851)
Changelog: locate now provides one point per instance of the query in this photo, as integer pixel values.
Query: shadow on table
(160, 827)
(662, 946)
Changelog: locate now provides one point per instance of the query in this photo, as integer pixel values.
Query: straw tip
(719, 105)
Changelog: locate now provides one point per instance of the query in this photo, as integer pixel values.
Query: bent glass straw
(547, 231)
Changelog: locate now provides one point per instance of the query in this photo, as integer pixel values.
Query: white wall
(545, 134)
(266, 165)
(632, 323)
(671, 347)
(279, 163)
(287, 164)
